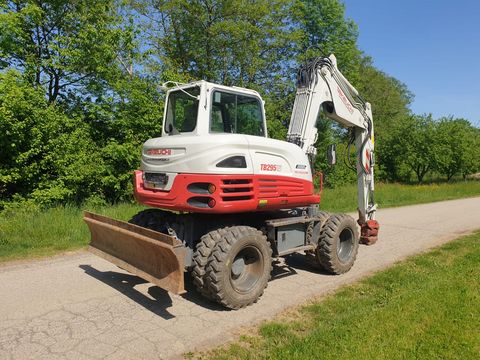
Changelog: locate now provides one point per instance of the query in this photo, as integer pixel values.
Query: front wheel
(338, 244)
(239, 267)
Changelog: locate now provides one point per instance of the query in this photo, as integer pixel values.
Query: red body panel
(233, 194)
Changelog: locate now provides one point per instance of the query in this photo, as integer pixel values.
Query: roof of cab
(213, 85)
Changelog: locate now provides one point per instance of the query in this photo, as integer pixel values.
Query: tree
(231, 42)
(389, 97)
(472, 154)
(83, 108)
(415, 143)
(44, 155)
(455, 150)
(120, 122)
(322, 29)
(390, 101)
(257, 44)
(62, 45)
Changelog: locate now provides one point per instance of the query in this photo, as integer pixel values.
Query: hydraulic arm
(320, 85)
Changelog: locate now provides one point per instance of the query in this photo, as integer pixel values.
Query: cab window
(182, 111)
(236, 114)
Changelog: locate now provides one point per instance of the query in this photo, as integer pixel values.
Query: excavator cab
(204, 108)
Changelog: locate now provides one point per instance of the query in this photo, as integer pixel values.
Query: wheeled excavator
(224, 199)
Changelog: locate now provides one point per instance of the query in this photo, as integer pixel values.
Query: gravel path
(82, 307)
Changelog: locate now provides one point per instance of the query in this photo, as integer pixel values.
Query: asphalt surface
(82, 307)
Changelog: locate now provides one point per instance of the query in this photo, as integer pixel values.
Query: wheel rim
(246, 269)
(345, 245)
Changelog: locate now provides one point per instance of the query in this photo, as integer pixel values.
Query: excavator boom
(321, 86)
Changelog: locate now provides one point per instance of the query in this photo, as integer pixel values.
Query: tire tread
(326, 252)
(219, 256)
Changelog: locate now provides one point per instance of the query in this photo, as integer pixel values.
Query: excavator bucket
(153, 256)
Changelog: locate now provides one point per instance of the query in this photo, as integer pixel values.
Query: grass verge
(26, 233)
(344, 199)
(427, 307)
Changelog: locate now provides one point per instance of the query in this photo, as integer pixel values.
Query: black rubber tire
(322, 216)
(159, 220)
(153, 219)
(242, 244)
(319, 222)
(338, 244)
(200, 259)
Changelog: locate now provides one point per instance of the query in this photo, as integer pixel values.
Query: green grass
(25, 233)
(42, 233)
(427, 307)
(344, 199)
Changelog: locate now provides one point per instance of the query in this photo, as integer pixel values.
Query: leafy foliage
(415, 140)
(78, 89)
(45, 155)
(390, 101)
(421, 145)
(62, 45)
(231, 42)
(457, 147)
(323, 30)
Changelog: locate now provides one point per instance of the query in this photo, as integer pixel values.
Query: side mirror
(332, 154)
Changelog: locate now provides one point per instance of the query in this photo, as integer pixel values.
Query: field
(27, 233)
(427, 307)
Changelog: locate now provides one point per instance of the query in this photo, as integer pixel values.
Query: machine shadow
(160, 299)
(297, 261)
(125, 283)
(281, 269)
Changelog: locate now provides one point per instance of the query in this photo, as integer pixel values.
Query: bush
(46, 156)
(51, 154)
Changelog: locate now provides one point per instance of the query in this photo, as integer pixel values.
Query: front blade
(153, 256)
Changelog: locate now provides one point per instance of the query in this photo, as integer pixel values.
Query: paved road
(81, 307)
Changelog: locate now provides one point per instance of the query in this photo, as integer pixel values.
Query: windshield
(237, 114)
(182, 110)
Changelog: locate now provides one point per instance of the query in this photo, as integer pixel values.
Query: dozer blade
(153, 256)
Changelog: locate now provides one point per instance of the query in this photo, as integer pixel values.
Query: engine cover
(222, 173)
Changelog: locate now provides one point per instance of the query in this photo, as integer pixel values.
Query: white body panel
(194, 154)
(280, 158)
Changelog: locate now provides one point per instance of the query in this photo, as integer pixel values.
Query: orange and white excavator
(225, 198)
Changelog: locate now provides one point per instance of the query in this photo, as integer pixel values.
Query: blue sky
(431, 46)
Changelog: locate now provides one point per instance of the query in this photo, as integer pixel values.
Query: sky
(431, 46)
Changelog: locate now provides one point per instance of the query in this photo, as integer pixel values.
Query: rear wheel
(201, 256)
(159, 220)
(338, 244)
(240, 267)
